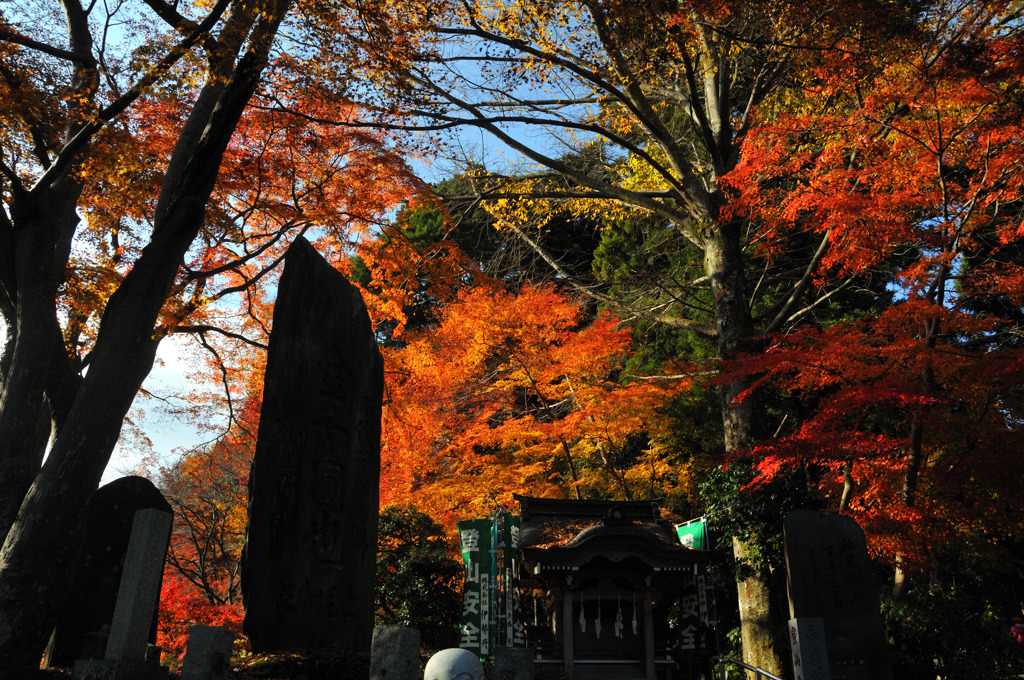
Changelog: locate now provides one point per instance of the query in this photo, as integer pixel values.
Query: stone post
(139, 589)
(395, 654)
(828, 574)
(140, 585)
(83, 623)
(208, 654)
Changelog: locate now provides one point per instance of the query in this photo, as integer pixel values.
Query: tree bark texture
(734, 327)
(40, 224)
(742, 424)
(758, 620)
(39, 546)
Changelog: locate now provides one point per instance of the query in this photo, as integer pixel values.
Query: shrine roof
(574, 531)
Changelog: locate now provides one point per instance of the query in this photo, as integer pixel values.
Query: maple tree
(183, 605)
(140, 190)
(659, 100)
(515, 391)
(898, 127)
(909, 412)
(206, 487)
(916, 166)
(406, 277)
(207, 491)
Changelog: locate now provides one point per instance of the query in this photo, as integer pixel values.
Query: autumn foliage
(153, 170)
(182, 606)
(908, 160)
(844, 265)
(807, 247)
(511, 389)
(206, 488)
(517, 392)
(862, 384)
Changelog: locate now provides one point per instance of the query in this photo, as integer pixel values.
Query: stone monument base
(395, 653)
(103, 669)
(513, 663)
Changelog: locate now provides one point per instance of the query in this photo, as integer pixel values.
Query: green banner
(694, 534)
(696, 626)
(513, 633)
(475, 624)
(490, 597)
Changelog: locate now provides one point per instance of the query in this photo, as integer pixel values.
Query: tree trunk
(916, 453)
(37, 552)
(742, 422)
(723, 263)
(40, 225)
(849, 484)
(758, 627)
(41, 229)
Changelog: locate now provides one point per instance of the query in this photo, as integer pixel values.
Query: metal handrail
(759, 673)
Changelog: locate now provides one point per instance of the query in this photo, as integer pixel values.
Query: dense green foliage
(418, 580)
(952, 630)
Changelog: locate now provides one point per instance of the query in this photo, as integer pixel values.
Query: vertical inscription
(308, 566)
(829, 577)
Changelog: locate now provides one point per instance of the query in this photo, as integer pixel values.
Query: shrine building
(624, 598)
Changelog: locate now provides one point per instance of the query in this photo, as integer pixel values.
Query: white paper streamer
(619, 625)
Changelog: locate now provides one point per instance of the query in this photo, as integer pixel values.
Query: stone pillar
(829, 576)
(308, 567)
(208, 653)
(140, 585)
(809, 651)
(395, 654)
(83, 622)
(513, 663)
(136, 597)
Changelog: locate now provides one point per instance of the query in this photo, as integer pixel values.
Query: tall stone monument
(828, 575)
(89, 609)
(308, 567)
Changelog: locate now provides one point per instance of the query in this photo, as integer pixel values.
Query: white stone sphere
(454, 664)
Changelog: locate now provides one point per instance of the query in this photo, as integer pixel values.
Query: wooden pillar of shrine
(648, 636)
(568, 659)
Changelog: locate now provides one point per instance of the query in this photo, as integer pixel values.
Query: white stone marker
(810, 654)
(140, 586)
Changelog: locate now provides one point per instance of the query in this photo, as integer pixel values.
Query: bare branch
(200, 329)
(25, 41)
(701, 328)
(82, 137)
(192, 275)
(820, 301)
(801, 286)
(171, 16)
